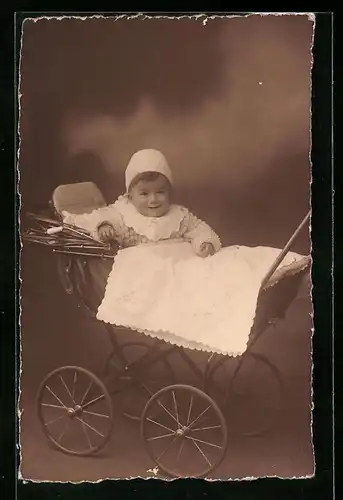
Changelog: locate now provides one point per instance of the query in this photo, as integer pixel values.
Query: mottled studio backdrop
(228, 103)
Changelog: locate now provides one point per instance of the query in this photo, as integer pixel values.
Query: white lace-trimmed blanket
(164, 290)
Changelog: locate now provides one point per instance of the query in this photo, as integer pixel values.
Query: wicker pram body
(84, 266)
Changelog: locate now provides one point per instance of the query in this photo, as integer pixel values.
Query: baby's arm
(202, 237)
(102, 221)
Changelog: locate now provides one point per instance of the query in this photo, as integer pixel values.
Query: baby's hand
(206, 249)
(106, 232)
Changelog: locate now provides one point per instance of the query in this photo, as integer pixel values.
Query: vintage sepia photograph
(166, 316)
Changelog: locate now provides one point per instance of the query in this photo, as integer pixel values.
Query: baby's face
(151, 198)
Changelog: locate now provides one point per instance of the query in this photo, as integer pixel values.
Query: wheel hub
(74, 412)
(181, 431)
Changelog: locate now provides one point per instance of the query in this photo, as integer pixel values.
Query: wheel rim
(133, 399)
(250, 394)
(184, 431)
(75, 410)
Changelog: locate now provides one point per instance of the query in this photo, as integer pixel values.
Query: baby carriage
(185, 428)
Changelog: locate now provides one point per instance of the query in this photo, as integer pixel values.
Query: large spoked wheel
(75, 410)
(184, 431)
(249, 389)
(145, 383)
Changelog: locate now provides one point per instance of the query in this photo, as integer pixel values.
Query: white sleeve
(198, 232)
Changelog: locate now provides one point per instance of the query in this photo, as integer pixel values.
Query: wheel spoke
(55, 419)
(88, 439)
(203, 442)
(64, 431)
(174, 451)
(166, 449)
(147, 389)
(74, 385)
(135, 353)
(90, 427)
(175, 408)
(54, 406)
(150, 392)
(207, 428)
(180, 450)
(85, 394)
(197, 418)
(203, 454)
(67, 389)
(168, 411)
(96, 414)
(58, 399)
(190, 409)
(162, 436)
(95, 400)
(161, 425)
(262, 395)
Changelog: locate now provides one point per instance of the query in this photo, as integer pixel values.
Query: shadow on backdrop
(90, 67)
(98, 66)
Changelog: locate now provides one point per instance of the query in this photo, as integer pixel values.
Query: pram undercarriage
(185, 428)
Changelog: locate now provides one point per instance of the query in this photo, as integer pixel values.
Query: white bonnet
(147, 160)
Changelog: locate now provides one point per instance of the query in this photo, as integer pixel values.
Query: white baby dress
(161, 288)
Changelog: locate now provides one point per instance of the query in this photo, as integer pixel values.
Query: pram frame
(156, 352)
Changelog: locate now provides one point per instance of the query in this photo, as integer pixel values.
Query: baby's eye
(144, 194)
(161, 192)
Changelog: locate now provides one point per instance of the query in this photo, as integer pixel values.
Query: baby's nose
(152, 198)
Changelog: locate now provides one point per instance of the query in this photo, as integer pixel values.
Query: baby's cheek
(166, 200)
(141, 204)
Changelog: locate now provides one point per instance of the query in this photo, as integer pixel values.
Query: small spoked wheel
(142, 384)
(75, 410)
(249, 389)
(184, 431)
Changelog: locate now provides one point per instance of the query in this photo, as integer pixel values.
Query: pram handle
(285, 250)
